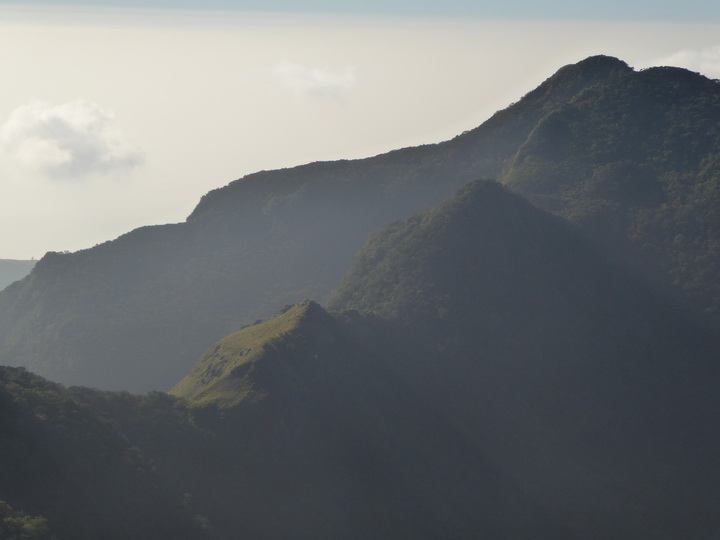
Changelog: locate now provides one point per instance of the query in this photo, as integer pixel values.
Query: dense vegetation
(485, 369)
(80, 463)
(501, 379)
(555, 363)
(635, 164)
(342, 445)
(329, 444)
(471, 397)
(18, 526)
(136, 313)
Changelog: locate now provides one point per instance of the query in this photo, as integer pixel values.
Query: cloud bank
(314, 82)
(71, 141)
(705, 61)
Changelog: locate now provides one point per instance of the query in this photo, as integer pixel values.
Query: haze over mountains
(532, 357)
(547, 366)
(566, 401)
(155, 299)
(12, 270)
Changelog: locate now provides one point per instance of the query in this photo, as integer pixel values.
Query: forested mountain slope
(488, 373)
(341, 445)
(636, 164)
(136, 312)
(502, 380)
(80, 464)
(592, 393)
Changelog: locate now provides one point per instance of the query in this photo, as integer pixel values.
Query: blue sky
(114, 118)
(609, 10)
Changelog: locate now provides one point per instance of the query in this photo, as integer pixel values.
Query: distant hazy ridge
(13, 270)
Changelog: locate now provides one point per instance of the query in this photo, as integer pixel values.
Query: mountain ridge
(485, 371)
(634, 165)
(278, 237)
(563, 363)
(496, 354)
(332, 409)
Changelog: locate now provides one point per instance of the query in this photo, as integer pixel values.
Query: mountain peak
(593, 67)
(484, 230)
(601, 62)
(572, 78)
(229, 372)
(593, 142)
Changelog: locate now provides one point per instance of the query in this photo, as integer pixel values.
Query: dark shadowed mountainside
(136, 312)
(593, 394)
(501, 380)
(487, 373)
(314, 421)
(636, 165)
(80, 464)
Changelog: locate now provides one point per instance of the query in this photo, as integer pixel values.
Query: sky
(116, 117)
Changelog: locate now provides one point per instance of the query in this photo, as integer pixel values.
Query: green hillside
(487, 373)
(635, 164)
(324, 440)
(577, 382)
(225, 375)
(136, 313)
(627, 156)
(77, 464)
(501, 379)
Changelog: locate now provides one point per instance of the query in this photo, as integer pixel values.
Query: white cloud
(705, 61)
(315, 82)
(69, 141)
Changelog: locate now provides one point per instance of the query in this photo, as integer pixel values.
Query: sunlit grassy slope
(223, 376)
